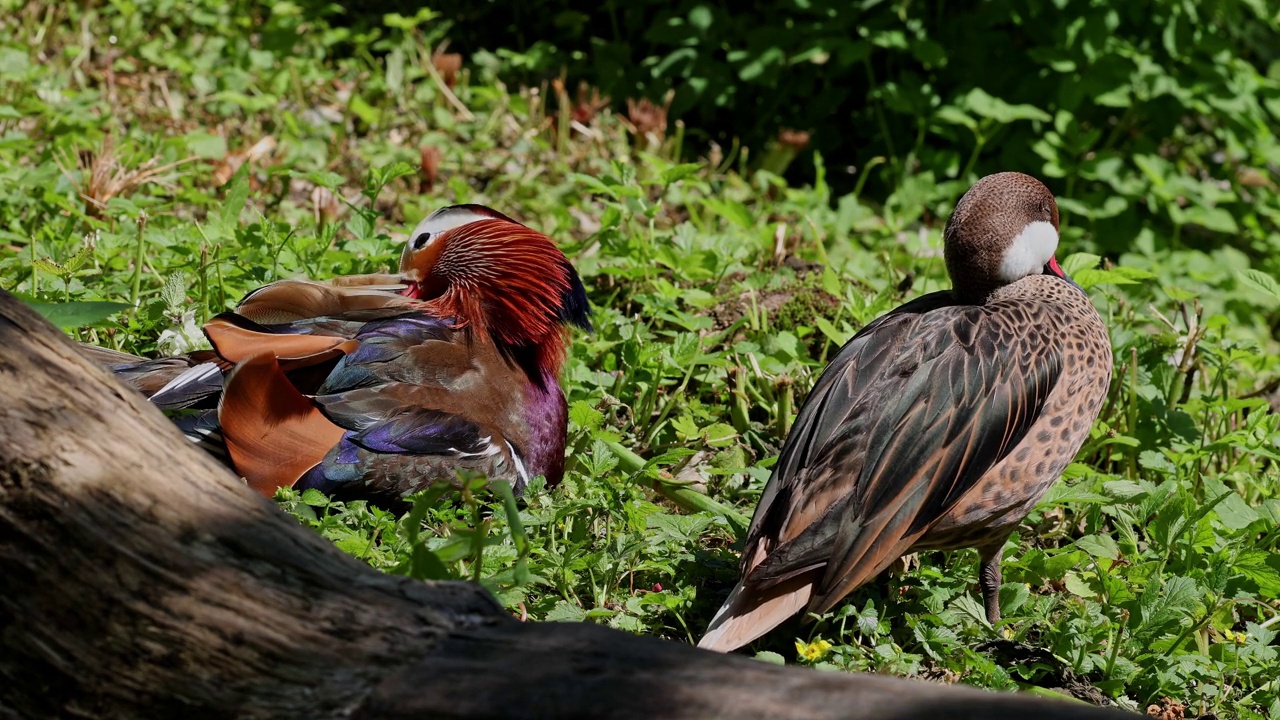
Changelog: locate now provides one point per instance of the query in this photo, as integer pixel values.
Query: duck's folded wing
(288, 301)
(274, 429)
(416, 405)
(908, 418)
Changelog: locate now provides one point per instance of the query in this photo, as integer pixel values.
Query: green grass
(1151, 571)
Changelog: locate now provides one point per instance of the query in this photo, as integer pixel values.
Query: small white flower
(183, 338)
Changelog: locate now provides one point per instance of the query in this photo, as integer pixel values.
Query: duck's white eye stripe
(441, 221)
(1029, 251)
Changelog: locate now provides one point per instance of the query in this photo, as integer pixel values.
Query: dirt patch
(797, 302)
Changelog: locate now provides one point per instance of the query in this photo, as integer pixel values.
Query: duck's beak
(1053, 268)
(409, 278)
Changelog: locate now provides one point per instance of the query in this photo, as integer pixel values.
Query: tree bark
(139, 578)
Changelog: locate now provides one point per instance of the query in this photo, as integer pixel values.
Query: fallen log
(139, 578)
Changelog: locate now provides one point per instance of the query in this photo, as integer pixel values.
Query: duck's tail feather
(751, 612)
(181, 381)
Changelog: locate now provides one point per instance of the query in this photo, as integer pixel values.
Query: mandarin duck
(939, 425)
(358, 390)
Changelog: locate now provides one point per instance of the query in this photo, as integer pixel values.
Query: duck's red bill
(1055, 268)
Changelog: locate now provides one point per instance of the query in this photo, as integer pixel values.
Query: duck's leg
(989, 577)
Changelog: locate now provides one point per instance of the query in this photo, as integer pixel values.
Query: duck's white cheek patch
(1029, 252)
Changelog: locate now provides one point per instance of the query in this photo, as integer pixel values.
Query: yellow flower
(812, 651)
(1235, 637)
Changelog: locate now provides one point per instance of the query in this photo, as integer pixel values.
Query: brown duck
(938, 426)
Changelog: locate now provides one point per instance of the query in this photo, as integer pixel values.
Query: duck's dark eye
(421, 241)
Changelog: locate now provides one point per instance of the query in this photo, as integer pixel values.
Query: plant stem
(979, 141)
(139, 259)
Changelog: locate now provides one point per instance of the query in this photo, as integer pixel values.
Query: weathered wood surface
(138, 578)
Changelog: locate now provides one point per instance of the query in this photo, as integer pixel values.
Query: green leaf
(174, 292)
(1099, 546)
(955, 116)
(71, 315)
(1078, 586)
(582, 414)
(363, 110)
(720, 435)
(565, 611)
(1233, 511)
(1090, 277)
(323, 178)
(1263, 568)
(1075, 262)
(237, 196)
(594, 184)
(206, 145)
(1124, 490)
(982, 103)
(314, 498)
(685, 427)
(679, 172)
(1211, 218)
(831, 332)
(731, 210)
(353, 545)
(1260, 281)
(53, 268)
(770, 657)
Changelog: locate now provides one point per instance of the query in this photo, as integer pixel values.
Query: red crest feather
(505, 281)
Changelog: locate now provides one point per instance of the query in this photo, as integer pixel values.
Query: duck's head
(510, 283)
(1003, 229)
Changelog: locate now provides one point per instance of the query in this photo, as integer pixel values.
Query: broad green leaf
(237, 196)
(1075, 262)
(582, 414)
(1260, 281)
(1124, 490)
(1090, 277)
(565, 611)
(314, 498)
(685, 427)
(731, 210)
(836, 336)
(72, 315)
(1099, 546)
(594, 184)
(1211, 218)
(363, 110)
(770, 657)
(1078, 586)
(323, 178)
(1262, 568)
(720, 435)
(206, 145)
(984, 104)
(955, 116)
(679, 172)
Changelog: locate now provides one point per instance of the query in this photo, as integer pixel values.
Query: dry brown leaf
(232, 162)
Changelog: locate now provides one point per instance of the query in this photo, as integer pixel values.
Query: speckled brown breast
(1061, 315)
